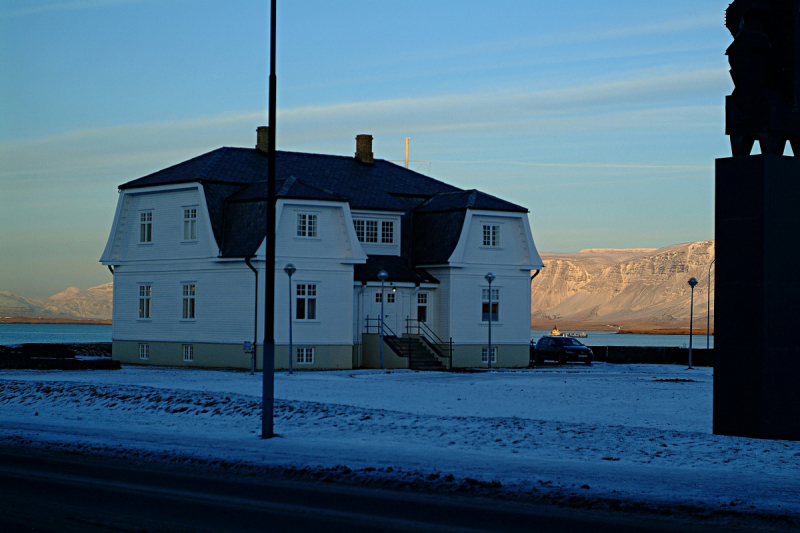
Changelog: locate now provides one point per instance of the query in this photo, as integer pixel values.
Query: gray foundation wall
(217, 355)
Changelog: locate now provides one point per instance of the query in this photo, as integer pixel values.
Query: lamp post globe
(290, 269)
(490, 277)
(383, 276)
(692, 282)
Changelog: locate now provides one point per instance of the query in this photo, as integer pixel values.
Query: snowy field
(626, 434)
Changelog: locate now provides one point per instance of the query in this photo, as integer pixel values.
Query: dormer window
(370, 231)
(491, 235)
(146, 227)
(306, 225)
(190, 224)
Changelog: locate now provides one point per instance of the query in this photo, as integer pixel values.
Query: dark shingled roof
(399, 267)
(234, 180)
(471, 199)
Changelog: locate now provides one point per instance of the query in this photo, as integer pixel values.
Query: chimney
(262, 139)
(364, 149)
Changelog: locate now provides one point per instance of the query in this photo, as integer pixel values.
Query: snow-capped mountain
(634, 288)
(73, 302)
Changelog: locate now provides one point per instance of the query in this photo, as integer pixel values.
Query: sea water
(62, 333)
(11, 334)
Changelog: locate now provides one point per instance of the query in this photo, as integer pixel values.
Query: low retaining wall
(58, 356)
(651, 355)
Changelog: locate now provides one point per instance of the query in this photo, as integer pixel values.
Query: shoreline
(39, 320)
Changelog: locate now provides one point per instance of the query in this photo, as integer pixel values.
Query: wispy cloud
(652, 99)
(62, 6)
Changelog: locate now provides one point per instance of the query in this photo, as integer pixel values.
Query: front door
(392, 310)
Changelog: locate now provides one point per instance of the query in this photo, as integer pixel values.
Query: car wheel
(589, 361)
(540, 360)
(562, 358)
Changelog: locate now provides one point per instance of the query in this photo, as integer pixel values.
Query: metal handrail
(423, 329)
(430, 337)
(386, 328)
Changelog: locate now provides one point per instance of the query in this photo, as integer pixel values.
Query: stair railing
(431, 339)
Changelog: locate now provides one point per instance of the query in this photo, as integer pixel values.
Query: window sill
(188, 320)
(306, 321)
(145, 243)
(144, 320)
(194, 241)
(485, 247)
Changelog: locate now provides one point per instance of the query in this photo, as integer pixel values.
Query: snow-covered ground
(624, 434)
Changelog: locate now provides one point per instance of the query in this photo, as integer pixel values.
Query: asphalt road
(54, 492)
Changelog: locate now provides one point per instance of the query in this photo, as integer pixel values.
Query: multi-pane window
(390, 298)
(359, 225)
(387, 232)
(189, 293)
(146, 226)
(306, 301)
(190, 224)
(145, 292)
(485, 304)
(305, 356)
(306, 225)
(188, 352)
(491, 235)
(422, 306)
(485, 354)
(369, 230)
(144, 351)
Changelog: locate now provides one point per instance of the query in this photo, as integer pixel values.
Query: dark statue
(765, 67)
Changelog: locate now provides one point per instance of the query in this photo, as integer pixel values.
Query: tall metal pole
(708, 309)
(382, 275)
(268, 363)
(692, 283)
(290, 269)
(490, 278)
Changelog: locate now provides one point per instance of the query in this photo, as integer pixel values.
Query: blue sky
(604, 119)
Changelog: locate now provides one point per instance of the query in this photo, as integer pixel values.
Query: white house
(187, 249)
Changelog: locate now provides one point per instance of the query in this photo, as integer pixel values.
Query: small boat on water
(555, 333)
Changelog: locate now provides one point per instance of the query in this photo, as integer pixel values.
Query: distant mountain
(639, 288)
(70, 303)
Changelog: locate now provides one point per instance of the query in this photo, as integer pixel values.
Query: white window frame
(146, 226)
(307, 225)
(189, 223)
(188, 352)
(304, 356)
(374, 231)
(145, 301)
(144, 351)
(391, 297)
(485, 352)
(189, 301)
(422, 302)
(491, 235)
(302, 292)
(495, 302)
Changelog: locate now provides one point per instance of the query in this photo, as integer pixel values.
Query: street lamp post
(708, 309)
(290, 269)
(382, 275)
(692, 283)
(490, 278)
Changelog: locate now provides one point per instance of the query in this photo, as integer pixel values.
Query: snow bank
(638, 433)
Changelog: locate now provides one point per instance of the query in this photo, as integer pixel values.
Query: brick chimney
(262, 139)
(364, 149)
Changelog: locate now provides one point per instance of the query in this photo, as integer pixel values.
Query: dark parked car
(561, 349)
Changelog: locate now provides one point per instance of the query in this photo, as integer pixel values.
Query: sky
(603, 119)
